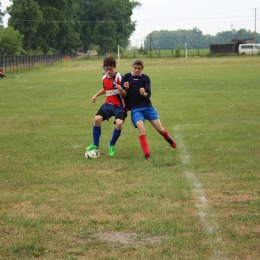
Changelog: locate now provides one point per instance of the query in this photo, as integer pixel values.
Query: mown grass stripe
(210, 227)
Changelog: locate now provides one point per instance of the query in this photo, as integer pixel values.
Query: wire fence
(136, 54)
(30, 61)
(172, 53)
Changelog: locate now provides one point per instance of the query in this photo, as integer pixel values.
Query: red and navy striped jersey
(112, 93)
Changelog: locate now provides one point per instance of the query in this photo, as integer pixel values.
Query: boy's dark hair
(110, 61)
(139, 63)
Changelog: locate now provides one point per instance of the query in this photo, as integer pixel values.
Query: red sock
(144, 144)
(165, 134)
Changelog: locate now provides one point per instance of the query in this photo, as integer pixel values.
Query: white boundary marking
(211, 229)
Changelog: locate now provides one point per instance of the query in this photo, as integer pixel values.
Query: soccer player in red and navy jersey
(114, 105)
(138, 88)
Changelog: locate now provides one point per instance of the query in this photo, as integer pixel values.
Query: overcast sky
(208, 16)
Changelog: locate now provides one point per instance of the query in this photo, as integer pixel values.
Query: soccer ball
(93, 154)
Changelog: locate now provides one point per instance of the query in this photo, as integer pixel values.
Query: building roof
(223, 43)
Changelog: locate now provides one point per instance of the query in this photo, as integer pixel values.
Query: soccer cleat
(172, 142)
(91, 147)
(111, 150)
(147, 157)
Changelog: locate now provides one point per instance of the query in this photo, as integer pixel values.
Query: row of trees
(60, 26)
(66, 25)
(166, 40)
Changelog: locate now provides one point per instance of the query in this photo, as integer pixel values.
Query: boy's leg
(145, 147)
(163, 131)
(120, 117)
(169, 139)
(138, 122)
(96, 132)
(115, 136)
(96, 136)
(111, 146)
(142, 140)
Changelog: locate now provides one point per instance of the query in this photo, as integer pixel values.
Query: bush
(177, 52)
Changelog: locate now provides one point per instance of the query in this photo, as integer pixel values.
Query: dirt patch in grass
(132, 239)
(234, 196)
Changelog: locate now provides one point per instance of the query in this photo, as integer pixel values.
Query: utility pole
(255, 25)
(150, 44)
(231, 31)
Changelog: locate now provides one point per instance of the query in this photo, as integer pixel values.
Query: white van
(249, 48)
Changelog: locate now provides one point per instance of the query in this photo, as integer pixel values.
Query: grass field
(199, 201)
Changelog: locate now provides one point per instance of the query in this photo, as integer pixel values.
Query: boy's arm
(121, 88)
(123, 92)
(148, 87)
(99, 93)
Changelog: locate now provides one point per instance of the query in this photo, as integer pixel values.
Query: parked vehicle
(249, 48)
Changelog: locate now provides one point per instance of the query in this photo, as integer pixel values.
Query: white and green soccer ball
(93, 154)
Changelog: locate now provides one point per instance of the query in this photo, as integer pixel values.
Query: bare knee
(98, 120)
(141, 128)
(161, 131)
(158, 126)
(119, 124)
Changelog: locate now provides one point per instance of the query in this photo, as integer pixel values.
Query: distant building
(228, 47)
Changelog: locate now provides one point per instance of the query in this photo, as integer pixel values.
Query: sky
(209, 16)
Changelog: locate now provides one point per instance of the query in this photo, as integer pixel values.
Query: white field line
(211, 229)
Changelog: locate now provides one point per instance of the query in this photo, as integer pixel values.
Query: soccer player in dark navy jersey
(114, 105)
(138, 88)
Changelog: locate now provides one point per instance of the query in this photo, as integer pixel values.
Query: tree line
(165, 40)
(60, 26)
(65, 26)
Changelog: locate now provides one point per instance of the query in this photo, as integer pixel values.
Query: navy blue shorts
(143, 113)
(108, 110)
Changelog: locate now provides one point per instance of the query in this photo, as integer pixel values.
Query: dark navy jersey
(134, 99)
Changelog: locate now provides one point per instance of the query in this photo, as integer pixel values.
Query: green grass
(199, 201)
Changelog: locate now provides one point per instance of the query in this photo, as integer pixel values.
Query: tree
(59, 29)
(10, 40)
(63, 25)
(107, 23)
(1, 15)
(104, 35)
(69, 35)
(194, 38)
(45, 36)
(47, 25)
(25, 16)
